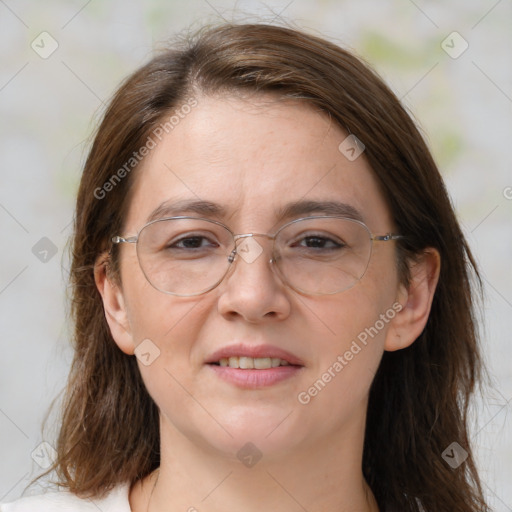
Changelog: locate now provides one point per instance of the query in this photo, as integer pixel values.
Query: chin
(257, 430)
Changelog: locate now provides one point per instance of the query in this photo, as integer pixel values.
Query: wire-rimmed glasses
(317, 255)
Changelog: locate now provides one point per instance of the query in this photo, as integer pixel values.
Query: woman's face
(253, 158)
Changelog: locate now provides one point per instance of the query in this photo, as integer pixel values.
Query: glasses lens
(184, 256)
(323, 255)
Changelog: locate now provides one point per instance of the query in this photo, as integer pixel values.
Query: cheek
(171, 372)
(151, 314)
(337, 385)
(167, 329)
(355, 324)
(163, 327)
(365, 307)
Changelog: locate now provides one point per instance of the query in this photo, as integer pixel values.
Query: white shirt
(64, 501)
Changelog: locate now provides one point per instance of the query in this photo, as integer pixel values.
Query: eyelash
(337, 245)
(185, 238)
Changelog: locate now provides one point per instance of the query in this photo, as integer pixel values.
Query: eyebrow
(175, 208)
(335, 208)
(295, 209)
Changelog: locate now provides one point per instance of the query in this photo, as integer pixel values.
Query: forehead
(253, 157)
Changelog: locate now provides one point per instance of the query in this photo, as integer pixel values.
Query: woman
(272, 294)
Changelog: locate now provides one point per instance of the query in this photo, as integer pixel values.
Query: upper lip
(253, 351)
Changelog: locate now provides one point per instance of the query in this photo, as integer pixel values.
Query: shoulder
(115, 501)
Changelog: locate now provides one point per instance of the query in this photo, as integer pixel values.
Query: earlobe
(114, 306)
(416, 300)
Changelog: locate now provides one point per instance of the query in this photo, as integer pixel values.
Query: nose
(252, 290)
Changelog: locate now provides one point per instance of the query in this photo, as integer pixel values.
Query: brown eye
(319, 242)
(192, 242)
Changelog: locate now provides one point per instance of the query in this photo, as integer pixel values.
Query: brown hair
(419, 399)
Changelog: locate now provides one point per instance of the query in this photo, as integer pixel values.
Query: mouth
(254, 366)
(252, 363)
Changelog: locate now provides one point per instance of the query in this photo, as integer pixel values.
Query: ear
(416, 301)
(114, 306)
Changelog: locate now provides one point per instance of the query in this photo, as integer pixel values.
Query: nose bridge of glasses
(250, 235)
(248, 251)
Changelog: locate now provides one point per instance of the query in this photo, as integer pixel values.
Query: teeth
(262, 363)
(247, 363)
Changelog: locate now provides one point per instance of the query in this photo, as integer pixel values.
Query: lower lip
(252, 379)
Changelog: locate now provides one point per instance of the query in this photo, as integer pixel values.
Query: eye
(318, 242)
(191, 242)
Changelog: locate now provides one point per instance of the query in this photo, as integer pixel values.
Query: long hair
(418, 403)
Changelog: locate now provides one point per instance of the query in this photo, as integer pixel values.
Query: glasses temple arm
(120, 239)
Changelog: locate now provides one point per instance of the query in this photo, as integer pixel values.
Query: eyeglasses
(188, 256)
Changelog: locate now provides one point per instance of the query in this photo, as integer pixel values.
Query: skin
(254, 155)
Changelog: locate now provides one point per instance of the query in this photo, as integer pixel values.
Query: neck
(323, 476)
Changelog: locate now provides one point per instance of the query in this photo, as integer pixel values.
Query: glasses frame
(117, 239)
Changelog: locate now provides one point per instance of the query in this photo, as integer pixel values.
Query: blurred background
(60, 61)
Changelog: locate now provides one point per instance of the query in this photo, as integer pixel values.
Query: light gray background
(49, 106)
